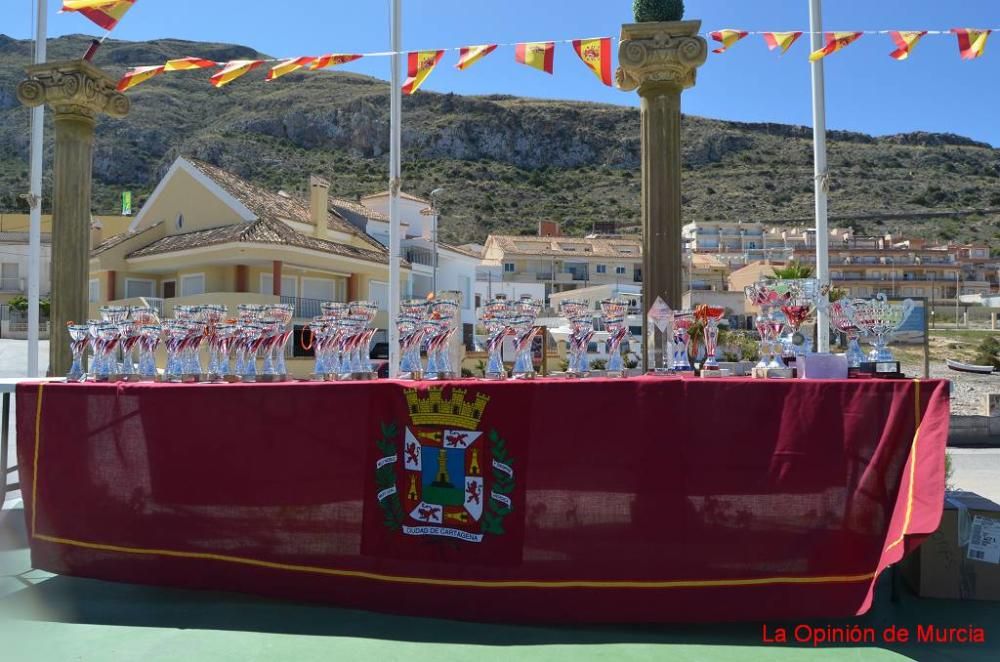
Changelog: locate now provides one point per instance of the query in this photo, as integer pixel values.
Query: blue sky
(866, 90)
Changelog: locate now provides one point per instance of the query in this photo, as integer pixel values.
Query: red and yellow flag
(906, 41)
(137, 75)
(727, 38)
(596, 54)
(233, 70)
(537, 54)
(834, 42)
(105, 13)
(469, 55)
(287, 67)
(189, 63)
(971, 43)
(332, 60)
(782, 40)
(419, 65)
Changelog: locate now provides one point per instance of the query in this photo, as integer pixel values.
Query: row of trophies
(233, 344)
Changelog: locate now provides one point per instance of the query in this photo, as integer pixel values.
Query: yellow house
(206, 235)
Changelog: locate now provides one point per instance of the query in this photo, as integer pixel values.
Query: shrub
(658, 10)
(988, 352)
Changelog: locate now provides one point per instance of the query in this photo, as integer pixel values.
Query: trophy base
(714, 373)
(616, 374)
(773, 373)
(523, 375)
(150, 378)
(102, 379)
(271, 379)
(413, 375)
(442, 376)
(882, 369)
(359, 376)
(661, 372)
(232, 379)
(495, 376)
(130, 378)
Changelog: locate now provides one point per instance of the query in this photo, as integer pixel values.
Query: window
(137, 287)
(465, 285)
(619, 270)
(192, 284)
(180, 221)
(602, 268)
(320, 289)
(94, 291)
(379, 293)
(508, 267)
(9, 275)
(289, 285)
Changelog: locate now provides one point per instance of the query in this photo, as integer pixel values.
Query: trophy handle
(908, 306)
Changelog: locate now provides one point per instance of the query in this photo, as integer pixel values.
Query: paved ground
(45, 617)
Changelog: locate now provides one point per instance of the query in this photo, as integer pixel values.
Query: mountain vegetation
(504, 162)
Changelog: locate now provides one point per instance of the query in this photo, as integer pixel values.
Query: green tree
(20, 304)
(988, 352)
(794, 269)
(658, 10)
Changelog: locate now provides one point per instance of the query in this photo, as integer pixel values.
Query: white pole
(395, 120)
(35, 202)
(820, 171)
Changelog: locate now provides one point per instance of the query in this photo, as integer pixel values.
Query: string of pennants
(595, 53)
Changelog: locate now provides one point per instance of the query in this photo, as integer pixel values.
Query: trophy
(880, 319)
(613, 312)
(129, 333)
(358, 343)
(411, 336)
(78, 340)
(440, 326)
(581, 325)
(662, 318)
(496, 316)
(149, 340)
(843, 319)
(682, 322)
(225, 335)
(710, 316)
(526, 310)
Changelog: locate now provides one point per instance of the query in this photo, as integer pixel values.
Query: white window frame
(601, 269)
(512, 268)
(151, 282)
(620, 270)
(184, 277)
(94, 290)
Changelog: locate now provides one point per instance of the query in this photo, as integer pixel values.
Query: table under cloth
(644, 499)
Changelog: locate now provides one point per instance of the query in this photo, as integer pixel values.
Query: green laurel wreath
(385, 477)
(502, 484)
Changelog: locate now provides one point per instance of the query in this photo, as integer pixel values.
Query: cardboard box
(941, 567)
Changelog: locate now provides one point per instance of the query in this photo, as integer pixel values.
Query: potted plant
(647, 11)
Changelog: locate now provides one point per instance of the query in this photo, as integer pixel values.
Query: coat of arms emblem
(447, 477)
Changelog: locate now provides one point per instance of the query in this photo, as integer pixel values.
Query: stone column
(659, 60)
(78, 92)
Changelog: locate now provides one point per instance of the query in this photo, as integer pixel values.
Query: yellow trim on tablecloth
(470, 583)
(913, 466)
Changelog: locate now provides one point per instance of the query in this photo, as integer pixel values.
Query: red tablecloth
(596, 500)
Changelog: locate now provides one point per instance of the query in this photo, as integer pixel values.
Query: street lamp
(434, 259)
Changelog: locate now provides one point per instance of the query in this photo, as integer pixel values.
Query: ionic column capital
(655, 56)
(72, 88)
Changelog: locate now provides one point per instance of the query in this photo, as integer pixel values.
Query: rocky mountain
(504, 161)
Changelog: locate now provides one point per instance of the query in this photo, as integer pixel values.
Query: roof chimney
(319, 200)
(548, 229)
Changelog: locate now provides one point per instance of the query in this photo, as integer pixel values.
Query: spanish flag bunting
(537, 54)
(469, 55)
(419, 65)
(727, 38)
(189, 63)
(971, 43)
(596, 54)
(105, 13)
(906, 41)
(233, 70)
(834, 42)
(287, 67)
(137, 75)
(332, 60)
(782, 40)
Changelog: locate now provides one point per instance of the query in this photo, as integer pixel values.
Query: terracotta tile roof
(563, 246)
(460, 249)
(114, 240)
(262, 231)
(265, 204)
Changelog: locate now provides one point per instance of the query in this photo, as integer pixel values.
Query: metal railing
(419, 256)
(304, 308)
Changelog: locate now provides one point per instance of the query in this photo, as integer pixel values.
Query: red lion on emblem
(412, 453)
(473, 491)
(427, 512)
(455, 438)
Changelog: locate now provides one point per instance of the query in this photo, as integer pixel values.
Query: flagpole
(35, 201)
(820, 173)
(395, 120)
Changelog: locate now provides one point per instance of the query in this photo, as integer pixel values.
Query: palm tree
(793, 270)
